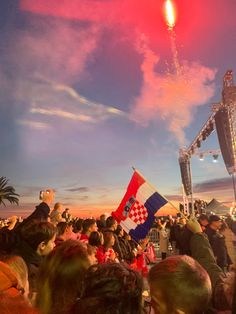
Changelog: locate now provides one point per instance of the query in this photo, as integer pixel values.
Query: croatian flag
(138, 207)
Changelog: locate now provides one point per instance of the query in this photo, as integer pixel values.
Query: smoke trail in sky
(171, 96)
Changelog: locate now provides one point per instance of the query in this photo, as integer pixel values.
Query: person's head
(60, 277)
(67, 210)
(101, 225)
(110, 288)
(78, 225)
(89, 225)
(111, 223)
(203, 220)
(177, 220)
(96, 238)
(40, 236)
(215, 222)
(103, 217)
(179, 284)
(226, 299)
(109, 240)
(64, 228)
(47, 196)
(58, 207)
(144, 242)
(119, 231)
(224, 226)
(19, 268)
(182, 221)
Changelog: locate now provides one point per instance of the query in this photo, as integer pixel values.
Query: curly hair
(110, 289)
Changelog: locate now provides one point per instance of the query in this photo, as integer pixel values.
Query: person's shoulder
(43, 205)
(208, 230)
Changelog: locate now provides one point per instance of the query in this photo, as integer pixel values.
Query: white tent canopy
(217, 208)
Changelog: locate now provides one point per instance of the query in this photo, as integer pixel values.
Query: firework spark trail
(176, 63)
(170, 20)
(172, 95)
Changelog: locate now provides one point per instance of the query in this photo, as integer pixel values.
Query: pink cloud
(119, 11)
(56, 50)
(75, 9)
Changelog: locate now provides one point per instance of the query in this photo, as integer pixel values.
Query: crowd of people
(52, 262)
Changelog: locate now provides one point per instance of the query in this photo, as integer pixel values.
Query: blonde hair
(19, 267)
(57, 206)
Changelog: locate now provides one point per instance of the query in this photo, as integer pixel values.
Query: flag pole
(160, 193)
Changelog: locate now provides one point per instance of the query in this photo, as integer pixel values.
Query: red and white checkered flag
(138, 213)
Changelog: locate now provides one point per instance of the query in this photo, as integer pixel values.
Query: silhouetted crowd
(53, 263)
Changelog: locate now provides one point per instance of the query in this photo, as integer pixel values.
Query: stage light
(211, 127)
(201, 157)
(198, 143)
(215, 158)
(192, 150)
(204, 135)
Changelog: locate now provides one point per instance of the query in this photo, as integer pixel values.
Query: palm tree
(7, 192)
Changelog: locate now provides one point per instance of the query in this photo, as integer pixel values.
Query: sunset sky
(89, 89)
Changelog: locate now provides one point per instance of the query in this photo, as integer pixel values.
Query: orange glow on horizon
(170, 14)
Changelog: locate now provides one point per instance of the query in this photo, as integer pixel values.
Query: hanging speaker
(226, 137)
(184, 164)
